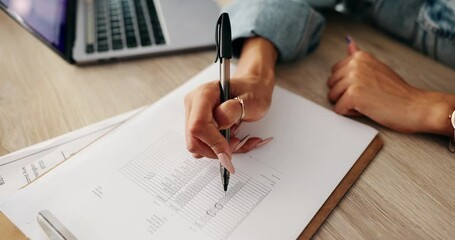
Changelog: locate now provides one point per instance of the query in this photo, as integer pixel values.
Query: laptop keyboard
(120, 24)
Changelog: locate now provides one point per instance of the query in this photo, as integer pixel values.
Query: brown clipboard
(9, 231)
(342, 188)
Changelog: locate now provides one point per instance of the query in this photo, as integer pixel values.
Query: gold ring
(243, 107)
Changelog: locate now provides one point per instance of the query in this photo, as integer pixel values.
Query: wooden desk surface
(407, 192)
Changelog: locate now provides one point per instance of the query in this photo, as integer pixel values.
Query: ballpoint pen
(224, 54)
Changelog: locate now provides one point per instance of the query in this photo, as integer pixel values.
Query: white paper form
(20, 168)
(139, 182)
(191, 187)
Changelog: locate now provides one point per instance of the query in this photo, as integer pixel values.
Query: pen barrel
(225, 90)
(224, 79)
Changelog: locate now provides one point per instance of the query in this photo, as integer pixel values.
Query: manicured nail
(242, 142)
(264, 142)
(197, 156)
(226, 162)
(237, 129)
(216, 124)
(348, 39)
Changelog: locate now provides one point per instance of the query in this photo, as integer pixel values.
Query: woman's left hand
(360, 84)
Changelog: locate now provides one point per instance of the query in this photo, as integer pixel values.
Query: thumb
(352, 45)
(227, 114)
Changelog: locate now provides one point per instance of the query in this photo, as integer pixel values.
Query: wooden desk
(407, 192)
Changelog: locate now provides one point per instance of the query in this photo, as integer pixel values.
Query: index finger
(202, 126)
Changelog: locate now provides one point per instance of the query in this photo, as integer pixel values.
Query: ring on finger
(242, 105)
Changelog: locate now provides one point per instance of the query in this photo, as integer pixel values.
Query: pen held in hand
(224, 54)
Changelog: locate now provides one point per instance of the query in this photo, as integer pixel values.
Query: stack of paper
(20, 168)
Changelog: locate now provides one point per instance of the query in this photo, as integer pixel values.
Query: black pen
(224, 54)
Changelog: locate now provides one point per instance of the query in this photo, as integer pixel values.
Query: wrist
(254, 79)
(437, 119)
(257, 60)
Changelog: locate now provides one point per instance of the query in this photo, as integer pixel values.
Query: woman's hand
(253, 82)
(362, 85)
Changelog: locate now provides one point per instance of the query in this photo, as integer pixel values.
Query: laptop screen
(46, 18)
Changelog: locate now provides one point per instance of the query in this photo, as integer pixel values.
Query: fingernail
(234, 130)
(264, 142)
(216, 124)
(242, 142)
(348, 39)
(226, 162)
(197, 156)
(237, 129)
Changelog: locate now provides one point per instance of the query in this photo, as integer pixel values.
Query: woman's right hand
(253, 82)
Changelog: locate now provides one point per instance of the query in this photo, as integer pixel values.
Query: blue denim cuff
(291, 25)
(427, 25)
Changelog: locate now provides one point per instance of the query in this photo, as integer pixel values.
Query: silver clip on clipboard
(53, 228)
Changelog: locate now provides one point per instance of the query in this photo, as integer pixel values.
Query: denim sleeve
(428, 25)
(291, 25)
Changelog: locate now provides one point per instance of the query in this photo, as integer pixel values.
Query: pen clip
(223, 38)
(217, 39)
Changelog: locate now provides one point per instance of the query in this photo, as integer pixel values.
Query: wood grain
(8, 230)
(407, 192)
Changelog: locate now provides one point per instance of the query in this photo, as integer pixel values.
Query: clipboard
(10, 231)
(358, 154)
(343, 187)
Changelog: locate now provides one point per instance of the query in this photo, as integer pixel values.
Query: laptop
(86, 31)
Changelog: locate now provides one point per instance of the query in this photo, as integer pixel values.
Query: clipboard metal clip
(52, 227)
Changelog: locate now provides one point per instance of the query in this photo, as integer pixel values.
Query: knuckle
(362, 56)
(331, 96)
(206, 90)
(196, 128)
(192, 147)
(338, 109)
(217, 144)
(351, 75)
(354, 64)
(354, 91)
